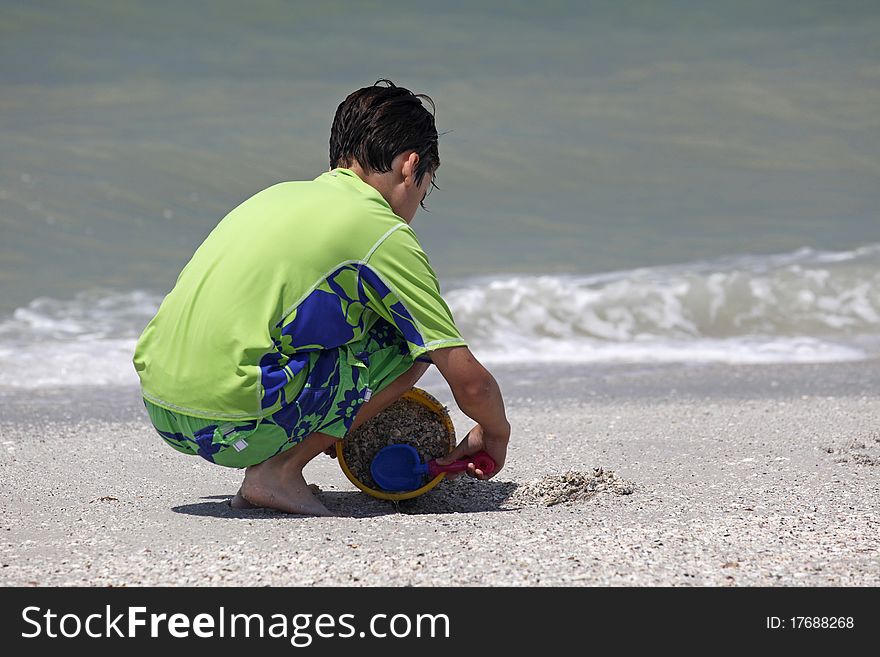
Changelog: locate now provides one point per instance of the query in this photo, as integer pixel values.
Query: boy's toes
(238, 502)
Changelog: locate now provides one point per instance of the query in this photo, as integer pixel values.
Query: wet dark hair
(377, 123)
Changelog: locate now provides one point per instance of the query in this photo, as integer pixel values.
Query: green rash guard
(295, 271)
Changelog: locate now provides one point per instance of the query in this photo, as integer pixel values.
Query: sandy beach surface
(725, 476)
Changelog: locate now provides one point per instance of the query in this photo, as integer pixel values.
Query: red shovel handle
(481, 460)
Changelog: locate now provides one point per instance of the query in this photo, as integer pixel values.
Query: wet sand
(711, 475)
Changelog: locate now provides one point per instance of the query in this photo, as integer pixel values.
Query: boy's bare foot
(238, 501)
(278, 483)
(279, 486)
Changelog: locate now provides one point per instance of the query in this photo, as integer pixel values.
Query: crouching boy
(309, 309)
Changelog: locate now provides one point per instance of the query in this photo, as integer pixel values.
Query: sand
(677, 476)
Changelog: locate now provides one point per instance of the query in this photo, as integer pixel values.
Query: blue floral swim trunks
(340, 380)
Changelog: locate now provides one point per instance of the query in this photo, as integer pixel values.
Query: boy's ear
(410, 164)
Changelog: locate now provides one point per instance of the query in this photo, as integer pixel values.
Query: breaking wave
(804, 306)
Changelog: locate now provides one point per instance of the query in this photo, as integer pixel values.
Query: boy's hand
(475, 441)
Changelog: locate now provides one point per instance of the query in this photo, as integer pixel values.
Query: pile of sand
(569, 488)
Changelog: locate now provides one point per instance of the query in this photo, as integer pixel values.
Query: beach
(736, 475)
(655, 223)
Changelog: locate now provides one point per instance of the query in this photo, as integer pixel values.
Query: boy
(309, 309)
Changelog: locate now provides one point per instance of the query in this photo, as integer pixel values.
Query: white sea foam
(87, 340)
(804, 306)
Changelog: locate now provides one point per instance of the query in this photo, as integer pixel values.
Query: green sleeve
(403, 289)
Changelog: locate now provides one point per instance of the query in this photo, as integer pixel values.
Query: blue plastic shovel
(399, 468)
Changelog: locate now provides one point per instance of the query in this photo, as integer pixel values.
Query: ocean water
(621, 182)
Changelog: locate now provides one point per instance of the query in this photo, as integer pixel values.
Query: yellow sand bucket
(430, 402)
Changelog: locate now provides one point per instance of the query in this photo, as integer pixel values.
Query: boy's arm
(403, 289)
(478, 396)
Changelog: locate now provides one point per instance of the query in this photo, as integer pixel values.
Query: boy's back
(299, 267)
